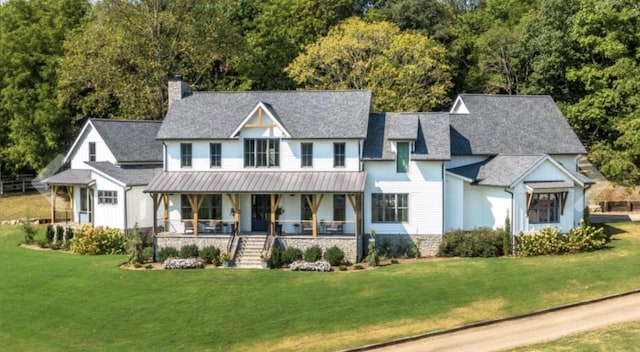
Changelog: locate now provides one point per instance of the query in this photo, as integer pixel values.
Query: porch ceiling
(258, 182)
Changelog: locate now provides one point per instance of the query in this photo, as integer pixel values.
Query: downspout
(126, 228)
(512, 222)
(444, 182)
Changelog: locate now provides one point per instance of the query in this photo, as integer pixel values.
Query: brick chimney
(178, 89)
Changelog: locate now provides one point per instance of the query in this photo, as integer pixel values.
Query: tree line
(64, 61)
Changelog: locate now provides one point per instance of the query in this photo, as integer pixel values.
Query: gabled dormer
(261, 121)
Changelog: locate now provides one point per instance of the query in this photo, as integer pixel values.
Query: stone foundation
(348, 244)
(428, 243)
(177, 241)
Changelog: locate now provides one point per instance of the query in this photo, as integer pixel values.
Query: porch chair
(307, 227)
(335, 227)
(214, 226)
(188, 226)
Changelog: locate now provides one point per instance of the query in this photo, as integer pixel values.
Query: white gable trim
(459, 107)
(76, 143)
(259, 108)
(552, 161)
(466, 179)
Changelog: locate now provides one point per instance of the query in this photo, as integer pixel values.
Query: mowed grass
(615, 338)
(56, 301)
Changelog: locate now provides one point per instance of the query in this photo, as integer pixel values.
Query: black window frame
(211, 208)
(306, 154)
(390, 208)
(215, 154)
(339, 207)
(544, 211)
(261, 152)
(339, 154)
(402, 166)
(92, 151)
(186, 156)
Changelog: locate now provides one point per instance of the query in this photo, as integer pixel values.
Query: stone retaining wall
(348, 244)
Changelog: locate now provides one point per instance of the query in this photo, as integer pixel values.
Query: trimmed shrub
(549, 241)
(480, 242)
(358, 267)
(403, 248)
(334, 255)
(50, 233)
(210, 255)
(59, 233)
(167, 252)
(147, 254)
(43, 243)
(313, 254)
(189, 251)
(415, 248)
(384, 249)
(291, 254)
(342, 267)
(98, 240)
(276, 258)
(68, 234)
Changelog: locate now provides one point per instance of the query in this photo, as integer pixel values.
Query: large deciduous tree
(608, 115)
(405, 71)
(32, 126)
(118, 63)
(279, 29)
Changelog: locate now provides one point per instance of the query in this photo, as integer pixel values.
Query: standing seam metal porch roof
(258, 182)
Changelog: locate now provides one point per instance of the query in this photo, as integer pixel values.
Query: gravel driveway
(531, 329)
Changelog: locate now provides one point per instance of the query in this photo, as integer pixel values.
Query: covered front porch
(77, 186)
(278, 204)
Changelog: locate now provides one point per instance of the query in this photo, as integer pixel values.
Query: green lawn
(57, 301)
(619, 338)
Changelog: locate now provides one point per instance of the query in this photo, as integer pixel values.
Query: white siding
(424, 185)
(454, 203)
(140, 208)
(81, 153)
(233, 158)
(485, 206)
(107, 214)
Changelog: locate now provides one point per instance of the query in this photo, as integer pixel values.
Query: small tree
(29, 230)
(134, 246)
(372, 258)
(506, 239)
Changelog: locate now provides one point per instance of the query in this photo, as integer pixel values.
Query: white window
(108, 197)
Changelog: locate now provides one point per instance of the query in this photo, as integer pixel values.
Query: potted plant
(226, 259)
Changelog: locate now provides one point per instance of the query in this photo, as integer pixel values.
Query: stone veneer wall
(428, 243)
(177, 241)
(350, 245)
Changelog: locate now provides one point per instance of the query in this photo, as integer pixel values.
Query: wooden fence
(22, 183)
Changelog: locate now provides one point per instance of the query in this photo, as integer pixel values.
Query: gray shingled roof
(70, 177)
(130, 176)
(258, 182)
(429, 131)
(504, 124)
(304, 114)
(131, 141)
(501, 170)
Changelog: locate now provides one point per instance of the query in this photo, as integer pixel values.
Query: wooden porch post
(356, 203)
(195, 200)
(314, 205)
(53, 203)
(71, 201)
(165, 199)
(275, 202)
(235, 203)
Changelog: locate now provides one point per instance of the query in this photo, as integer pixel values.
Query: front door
(260, 212)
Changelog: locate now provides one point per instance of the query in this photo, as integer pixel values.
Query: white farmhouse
(245, 171)
(111, 162)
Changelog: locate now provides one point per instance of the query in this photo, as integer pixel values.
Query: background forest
(64, 61)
